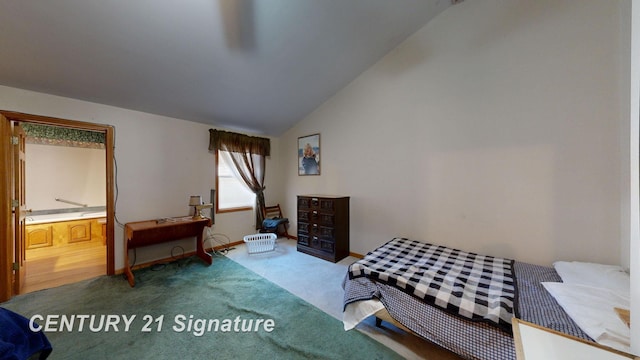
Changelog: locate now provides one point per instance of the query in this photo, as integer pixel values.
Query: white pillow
(610, 277)
(593, 310)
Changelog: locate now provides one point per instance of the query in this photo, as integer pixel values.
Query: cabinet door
(39, 236)
(78, 231)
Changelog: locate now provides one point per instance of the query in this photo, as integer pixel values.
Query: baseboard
(185, 255)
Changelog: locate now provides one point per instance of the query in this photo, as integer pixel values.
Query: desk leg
(206, 257)
(127, 267)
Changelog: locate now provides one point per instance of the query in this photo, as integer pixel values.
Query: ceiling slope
(258, 66)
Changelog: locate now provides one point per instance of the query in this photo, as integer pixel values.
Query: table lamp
(195, 200)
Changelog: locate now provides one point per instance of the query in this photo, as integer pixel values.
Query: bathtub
(66, 216)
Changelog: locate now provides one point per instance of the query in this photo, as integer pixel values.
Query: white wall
(70, 173)
(631, 12)
(495, 128)
(160, 162)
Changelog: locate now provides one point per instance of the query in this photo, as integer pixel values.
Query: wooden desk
(151, 232)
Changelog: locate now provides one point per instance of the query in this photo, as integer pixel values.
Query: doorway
(10, 271)
(65, 212)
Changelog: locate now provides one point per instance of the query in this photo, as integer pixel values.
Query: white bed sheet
(592, 308)
(611, 277)
(357, 311)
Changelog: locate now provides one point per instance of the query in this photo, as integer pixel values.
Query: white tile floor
(319, 282)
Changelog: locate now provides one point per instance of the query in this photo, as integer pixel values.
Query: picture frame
(309, 155)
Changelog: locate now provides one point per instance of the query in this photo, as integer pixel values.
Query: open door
(19, 203)
(7, 252)
(12, 219)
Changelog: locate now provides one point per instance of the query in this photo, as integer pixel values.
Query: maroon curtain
(248, 155)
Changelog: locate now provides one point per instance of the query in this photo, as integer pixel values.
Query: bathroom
(65, 198)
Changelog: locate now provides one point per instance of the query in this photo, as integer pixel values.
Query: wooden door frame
(6, 216)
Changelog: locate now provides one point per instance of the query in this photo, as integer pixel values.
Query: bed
(395, 283)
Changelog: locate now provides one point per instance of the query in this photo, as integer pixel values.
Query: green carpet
(223, 294)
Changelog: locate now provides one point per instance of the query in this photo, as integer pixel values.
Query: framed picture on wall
(309, 155)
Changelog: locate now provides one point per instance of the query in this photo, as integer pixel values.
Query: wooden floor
(54, 267)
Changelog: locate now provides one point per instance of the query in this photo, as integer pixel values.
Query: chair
(274, 222)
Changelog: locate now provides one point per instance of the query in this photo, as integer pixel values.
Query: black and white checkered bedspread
(473, 286)
(471, 339)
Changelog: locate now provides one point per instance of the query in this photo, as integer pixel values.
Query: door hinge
(16, 266)
(15, 140)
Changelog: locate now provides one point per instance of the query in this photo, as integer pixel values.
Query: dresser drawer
(326, 219)
(304, 215)
(315, 242)
(327, 232)
(327, 246)
(303, 239)
(304, 228)
(304, 203)
(326, 205)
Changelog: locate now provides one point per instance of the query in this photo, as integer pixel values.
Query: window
(249, 160)
(232, 194)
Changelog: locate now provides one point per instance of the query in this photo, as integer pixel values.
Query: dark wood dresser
(323, 226)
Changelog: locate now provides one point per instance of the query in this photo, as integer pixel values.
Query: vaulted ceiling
(253, 65)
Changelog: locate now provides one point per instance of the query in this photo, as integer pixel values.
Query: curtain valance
(234, 142)
(60, 136)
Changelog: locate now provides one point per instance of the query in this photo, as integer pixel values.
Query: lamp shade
(195, 200)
